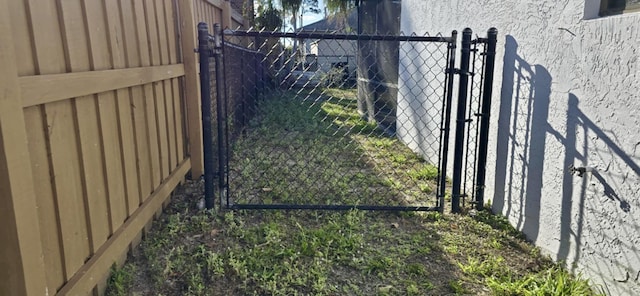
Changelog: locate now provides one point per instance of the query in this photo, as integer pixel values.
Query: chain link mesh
(327, 119)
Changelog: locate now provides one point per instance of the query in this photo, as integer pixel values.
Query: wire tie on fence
(468, 120)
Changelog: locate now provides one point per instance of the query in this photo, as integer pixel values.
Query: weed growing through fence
(192, 252)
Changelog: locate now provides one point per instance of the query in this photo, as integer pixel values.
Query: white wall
(332, 51)
(567, 91)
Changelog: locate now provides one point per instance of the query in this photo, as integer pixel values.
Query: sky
(310, 18)
(307, 18)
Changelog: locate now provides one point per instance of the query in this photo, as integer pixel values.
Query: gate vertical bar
(221, 112)
(492, 38)
(205, 97)
(444, 141)
(460, 119)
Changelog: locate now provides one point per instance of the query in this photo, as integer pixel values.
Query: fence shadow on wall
(596, 217)
(524, 109)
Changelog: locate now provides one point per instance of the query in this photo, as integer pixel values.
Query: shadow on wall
(595, 218)
(524, 109)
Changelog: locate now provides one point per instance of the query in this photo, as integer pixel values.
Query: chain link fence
(332, 121)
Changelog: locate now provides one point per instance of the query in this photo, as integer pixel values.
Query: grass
(195, 252)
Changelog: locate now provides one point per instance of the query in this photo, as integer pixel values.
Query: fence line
(96, 130)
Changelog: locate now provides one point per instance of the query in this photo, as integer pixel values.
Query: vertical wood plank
(21, 253)
(226, 20)
(107, 114)
(169, 128)
(192, 89)
(34, 120)
(154, 49)
(213, 18)
(177, 97)
(63, 146)
(131, 45)
(21, 38)
(93, 179)
(148, 104)
(197, 5)
(123, 106)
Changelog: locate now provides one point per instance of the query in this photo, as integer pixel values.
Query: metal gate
(343, 121)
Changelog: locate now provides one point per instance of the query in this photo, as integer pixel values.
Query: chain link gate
(340, 121)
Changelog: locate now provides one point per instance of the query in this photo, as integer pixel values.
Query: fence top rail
(328, 35)
(242, 48)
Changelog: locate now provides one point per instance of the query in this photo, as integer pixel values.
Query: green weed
(328, 154)
(120, 280)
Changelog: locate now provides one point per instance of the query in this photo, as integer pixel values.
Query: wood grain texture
(95, 16)
(61, 141)
(98, 265)
(85, 112)
(21, 254)
(123, 106)
(191, 87)
(42, 89)
(147, 92)
(158, 91)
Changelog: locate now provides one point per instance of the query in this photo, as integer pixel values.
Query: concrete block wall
(567, 92)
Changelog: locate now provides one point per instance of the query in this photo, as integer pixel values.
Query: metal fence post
(460, 119)
(205, 96)
(492, 38)
(451, 64)
(221, 115)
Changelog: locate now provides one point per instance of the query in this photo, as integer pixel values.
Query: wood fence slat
(169, 127)
(148, 103)
(177, 97)
(23, 268)
(158, 97)
(85, 111)
(62, 143)
(211, 19)
(99, 264)
(160, 101)
(197, 4)
(171, 103)
(21, 38)
(191, 86)
(40, 166)
(95, 16)
(123, 105)
(139, 132)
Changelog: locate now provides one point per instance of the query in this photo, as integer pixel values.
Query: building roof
(334, 24)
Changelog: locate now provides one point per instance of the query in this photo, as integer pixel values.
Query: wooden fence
(99, 122)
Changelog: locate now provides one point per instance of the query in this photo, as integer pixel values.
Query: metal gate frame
(211, 46)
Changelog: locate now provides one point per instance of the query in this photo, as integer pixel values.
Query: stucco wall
(567, 91)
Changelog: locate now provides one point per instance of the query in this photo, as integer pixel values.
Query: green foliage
(191, 252)
(120, 280)
(554, 281)
(268, 18)
(339, 6)
(428, 172)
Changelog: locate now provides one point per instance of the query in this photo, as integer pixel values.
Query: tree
(268, 17)
(340, 6)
